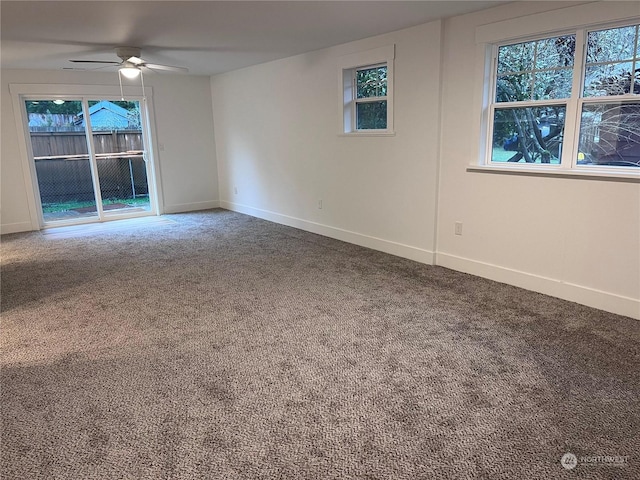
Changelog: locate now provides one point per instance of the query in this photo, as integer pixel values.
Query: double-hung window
(366, 100)
(370, 99)
(570, 101)
(610, 104)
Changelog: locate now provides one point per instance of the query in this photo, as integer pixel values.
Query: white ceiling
(208, 37)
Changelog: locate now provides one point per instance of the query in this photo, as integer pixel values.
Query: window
(370, 102)
(570, 101)
(367, 92)
(609, 126)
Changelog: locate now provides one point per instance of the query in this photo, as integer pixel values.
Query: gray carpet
(220, 346)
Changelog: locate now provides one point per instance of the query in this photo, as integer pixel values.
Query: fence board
(50, 144)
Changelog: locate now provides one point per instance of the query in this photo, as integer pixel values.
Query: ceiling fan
(131, 64)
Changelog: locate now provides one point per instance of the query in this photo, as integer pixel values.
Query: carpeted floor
(220, 346)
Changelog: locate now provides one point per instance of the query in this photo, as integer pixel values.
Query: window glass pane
(119, 147)
(610, 134)
(382, 75)
(555, 52)
(551, 84)
(610, 55)
(515, 58)
(110, 115)
(607, 79)
(371, 115)
(548, 62)
(371, 82)
(611, 45)
(529, 134)
(513, 88)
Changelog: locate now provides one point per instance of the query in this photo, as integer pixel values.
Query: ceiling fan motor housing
(125, 53)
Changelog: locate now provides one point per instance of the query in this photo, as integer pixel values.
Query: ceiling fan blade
(169, 68)
(135, 60)
(83, 69)
(93, 61)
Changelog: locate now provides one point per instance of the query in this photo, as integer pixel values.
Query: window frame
(574, 104)
(348, 66)
(357, 101)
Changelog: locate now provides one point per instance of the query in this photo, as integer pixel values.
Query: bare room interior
(320, 239)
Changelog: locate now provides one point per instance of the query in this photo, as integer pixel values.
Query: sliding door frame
(23, 92)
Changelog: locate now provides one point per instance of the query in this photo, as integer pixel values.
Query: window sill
(543, 171)
(367, 134)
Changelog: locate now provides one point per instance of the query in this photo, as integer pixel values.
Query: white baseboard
(591, 297)
(386, 246)
(191, 207)
(16, 227)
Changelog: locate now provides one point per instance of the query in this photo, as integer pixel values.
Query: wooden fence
(55, 144)
(64, 174)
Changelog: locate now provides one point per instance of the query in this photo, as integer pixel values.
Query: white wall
(277, 131)
(184, 126)
(574, 238)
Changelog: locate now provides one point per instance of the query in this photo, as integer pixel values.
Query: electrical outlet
(235, 190)
(458, 229)
(320, 204)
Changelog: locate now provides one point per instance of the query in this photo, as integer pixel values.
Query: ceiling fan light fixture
(130, 72)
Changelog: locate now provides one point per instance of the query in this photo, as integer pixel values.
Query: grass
(66, 206)
(498, 154)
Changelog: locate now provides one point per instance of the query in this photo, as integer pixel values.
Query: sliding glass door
(90, 159)
(116, 129)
